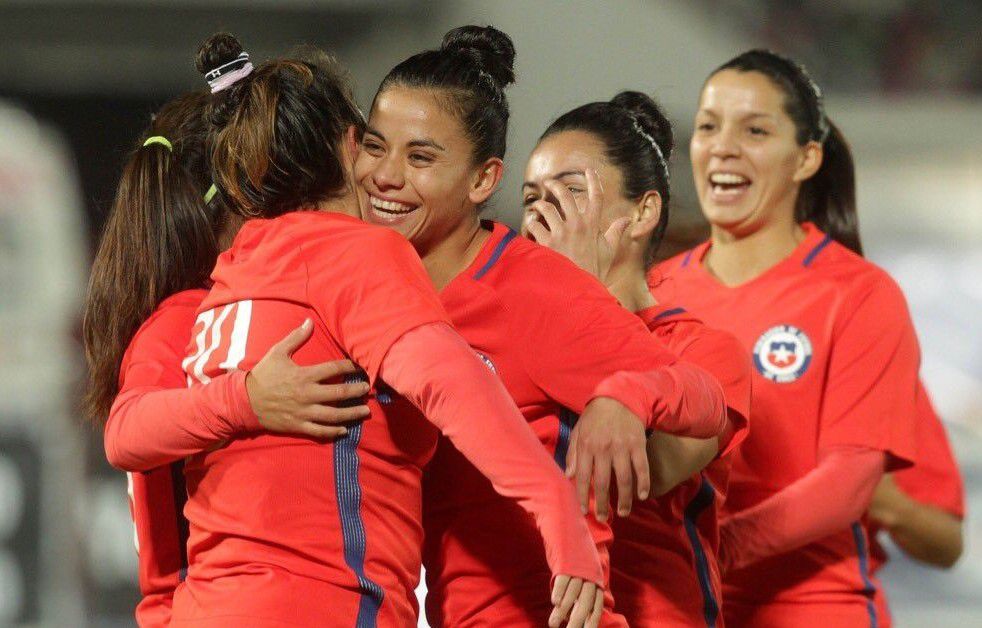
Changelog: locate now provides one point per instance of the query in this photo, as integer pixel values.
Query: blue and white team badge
(782, 353)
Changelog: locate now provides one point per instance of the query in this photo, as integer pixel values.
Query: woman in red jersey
(430, 158)
(834, 352)
(148, 279)
(296, 531)
(597, 190)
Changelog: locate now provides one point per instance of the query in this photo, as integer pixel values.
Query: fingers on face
(570, 210)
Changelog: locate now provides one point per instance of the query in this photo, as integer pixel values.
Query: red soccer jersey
(835, 364)
(289, 530)
(552, 333)
(933, 480)
(664, 569)
(157, 497)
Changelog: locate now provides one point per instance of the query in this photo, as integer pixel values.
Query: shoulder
(166, 332)
(340, 237)
(527, 268)
(674, 264)
(175, 313)
(697, 342)
(861, 284)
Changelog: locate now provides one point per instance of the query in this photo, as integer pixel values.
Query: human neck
(735, 259)
(347, 205)
(627, 279)
(447, 258)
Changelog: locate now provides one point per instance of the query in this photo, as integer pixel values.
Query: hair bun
(219, 49)
(651, 118)
(492, 49)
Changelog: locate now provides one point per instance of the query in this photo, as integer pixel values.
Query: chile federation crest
(782, 353)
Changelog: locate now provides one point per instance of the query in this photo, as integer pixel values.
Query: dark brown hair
(160, 238)
(828, 198)
(471, 67)
(278, 131)
(638, 141)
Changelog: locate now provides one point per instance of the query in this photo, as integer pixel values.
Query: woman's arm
(827, 499)
(927, 533)
(674, 459)
(437, 371)
(440, 374)
(151, 425)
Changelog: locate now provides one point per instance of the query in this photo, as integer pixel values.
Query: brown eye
(756, 130)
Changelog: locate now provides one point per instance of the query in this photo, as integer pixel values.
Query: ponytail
(277, 129)
(161, 237)
(828, 199)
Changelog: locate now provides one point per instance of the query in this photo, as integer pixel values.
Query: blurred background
(79, 79)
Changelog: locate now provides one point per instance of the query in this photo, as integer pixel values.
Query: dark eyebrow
(426, 142)
(558, 175)
(414, 143)
(566, 173)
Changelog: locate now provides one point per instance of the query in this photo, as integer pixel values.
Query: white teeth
(727, 178)
(391, 206)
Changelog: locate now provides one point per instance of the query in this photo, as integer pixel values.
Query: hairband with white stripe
(227, 74)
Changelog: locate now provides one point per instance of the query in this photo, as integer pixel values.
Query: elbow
(661, 486)
(114, 457)
(952, 553)
(117, 457)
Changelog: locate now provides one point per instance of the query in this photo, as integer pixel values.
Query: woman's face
(746, 162)
(565, 157)
(415, 164)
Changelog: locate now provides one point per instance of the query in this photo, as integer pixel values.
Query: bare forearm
(931, 536)
(926, 533)
(673, 459)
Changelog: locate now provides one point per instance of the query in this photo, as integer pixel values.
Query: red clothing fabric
(828, 498)
(293, 531)
(142, 431)
(664, 569)
(553, 334)
(153, 361)
(835, 364)
(934, 479)
(419, 361)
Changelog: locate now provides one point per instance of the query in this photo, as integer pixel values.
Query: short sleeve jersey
(934, 479)
(153, 360)
(835, 363)
(552, 333)
(664, 568)
(289, 530)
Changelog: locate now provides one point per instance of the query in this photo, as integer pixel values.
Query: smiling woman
(432, 154)
(436, 139)
(833, 349)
